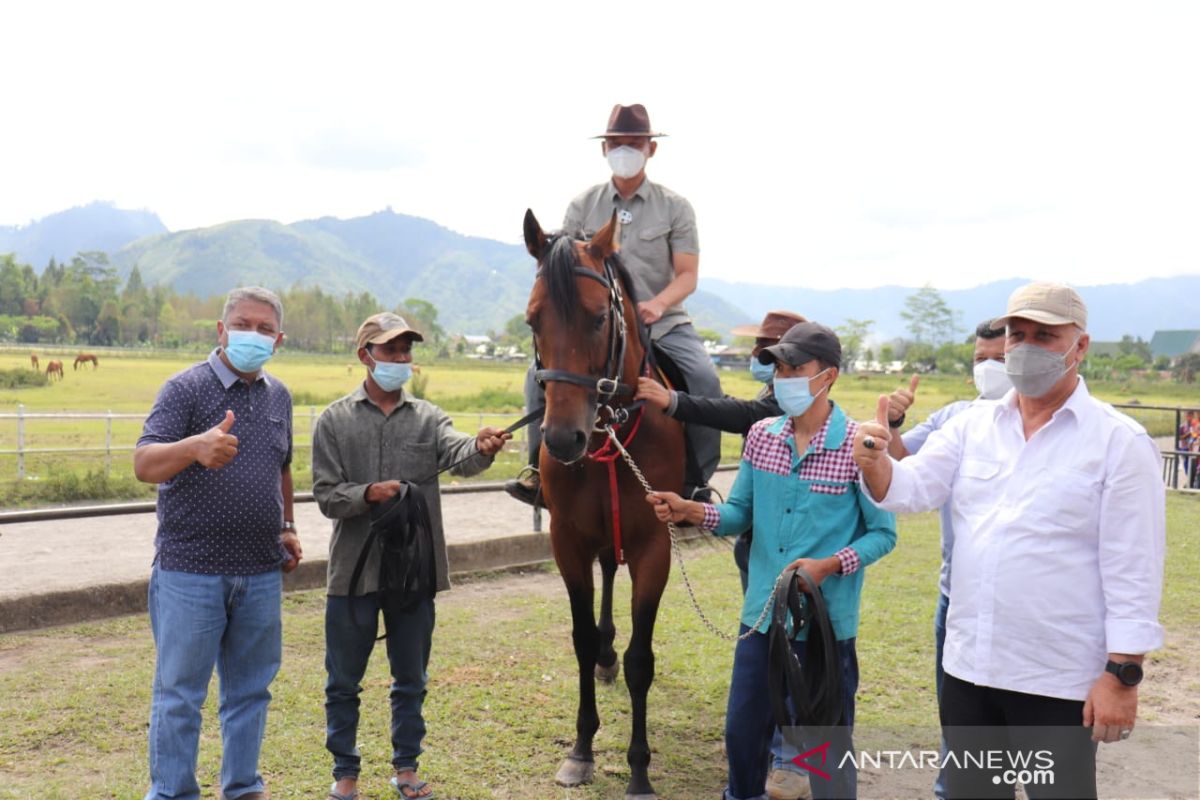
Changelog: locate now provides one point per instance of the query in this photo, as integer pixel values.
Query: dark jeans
(351, 625)
(979, 719)
(939, 638)
(749, 724)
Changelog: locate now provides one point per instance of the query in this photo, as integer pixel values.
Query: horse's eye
(600, 320)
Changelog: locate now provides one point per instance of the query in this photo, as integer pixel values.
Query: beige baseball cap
(383, 327)
(1047, 303)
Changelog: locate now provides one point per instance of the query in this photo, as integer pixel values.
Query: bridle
(608, 385)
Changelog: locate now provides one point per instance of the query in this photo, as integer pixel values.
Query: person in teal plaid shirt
(797, 488)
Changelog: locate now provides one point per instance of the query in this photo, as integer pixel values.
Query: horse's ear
(601, 245)
(535, 237)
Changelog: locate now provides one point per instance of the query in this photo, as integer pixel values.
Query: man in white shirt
(992, 382)
(1060, 533)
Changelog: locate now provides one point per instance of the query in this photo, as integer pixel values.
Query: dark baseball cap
(802, 343)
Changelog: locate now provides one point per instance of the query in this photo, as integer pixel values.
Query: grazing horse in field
(84, 358)
(54, 368)
(591, 348)
(33, 362)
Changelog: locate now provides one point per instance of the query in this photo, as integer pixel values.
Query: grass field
(74, 700)
(473, 392)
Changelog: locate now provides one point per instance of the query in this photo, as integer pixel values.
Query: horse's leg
(607, 665)
(579, 767)
(649, 577)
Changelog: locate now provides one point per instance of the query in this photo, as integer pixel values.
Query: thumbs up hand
(871, 441)
(901, 400)
(216, 447)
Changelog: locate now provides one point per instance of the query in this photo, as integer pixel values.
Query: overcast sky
(822, 145)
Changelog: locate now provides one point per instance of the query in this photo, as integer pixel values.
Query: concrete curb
(115, 599)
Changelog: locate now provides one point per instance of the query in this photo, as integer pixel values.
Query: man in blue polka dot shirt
(218, 442)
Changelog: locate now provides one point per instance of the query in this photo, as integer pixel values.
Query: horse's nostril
(565, 444)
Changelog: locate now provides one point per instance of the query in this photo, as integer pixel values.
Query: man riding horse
(656, 234)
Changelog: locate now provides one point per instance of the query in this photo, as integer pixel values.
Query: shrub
(21, 378)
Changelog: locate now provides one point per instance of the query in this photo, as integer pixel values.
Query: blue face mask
(763, 373)
(389, 375)
(793, 394)
(248, 350)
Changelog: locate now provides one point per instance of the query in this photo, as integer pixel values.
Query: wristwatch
(1127, 672)
(288, 525)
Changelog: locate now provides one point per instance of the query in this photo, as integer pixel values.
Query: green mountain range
(476, 284)
(479, 284)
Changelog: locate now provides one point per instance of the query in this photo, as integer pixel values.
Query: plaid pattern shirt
(829, 470)
(804, 501)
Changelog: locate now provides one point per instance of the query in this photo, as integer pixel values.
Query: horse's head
(582, 318)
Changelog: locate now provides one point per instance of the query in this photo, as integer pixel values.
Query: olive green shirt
(355, 445)
(659, 224)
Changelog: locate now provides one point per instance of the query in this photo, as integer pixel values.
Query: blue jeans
(939, 637)
(351, 625)
(749, 724)
(232, 621)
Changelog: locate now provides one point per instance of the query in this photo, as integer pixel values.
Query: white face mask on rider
(626, 161)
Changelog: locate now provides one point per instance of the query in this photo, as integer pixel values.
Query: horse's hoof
(574, 772)
(608, 674)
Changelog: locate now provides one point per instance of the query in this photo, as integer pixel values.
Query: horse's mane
(559, 267)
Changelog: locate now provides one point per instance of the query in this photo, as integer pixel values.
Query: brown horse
(84, 358)
(54, 368)
(33, 362)
(590, 349)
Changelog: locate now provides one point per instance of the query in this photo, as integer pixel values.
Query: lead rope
(674, 533)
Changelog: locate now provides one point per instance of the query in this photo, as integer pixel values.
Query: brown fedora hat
(629, 121)
(774, 325)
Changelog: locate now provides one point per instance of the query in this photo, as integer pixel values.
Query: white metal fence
(304, 419)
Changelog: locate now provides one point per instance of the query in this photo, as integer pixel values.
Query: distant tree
(709, 335)
(107, 330)
(1187, 367)
(853, 334)
(930, 320)
(887, 354)
(422, 315)
(1128, 346)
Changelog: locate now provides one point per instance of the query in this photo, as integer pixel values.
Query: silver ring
(869, 442)
(1126, 732)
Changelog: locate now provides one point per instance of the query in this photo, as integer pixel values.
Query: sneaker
(526, 487)
(784, 784)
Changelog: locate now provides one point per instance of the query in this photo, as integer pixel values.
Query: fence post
(20, 441)
(108, 444)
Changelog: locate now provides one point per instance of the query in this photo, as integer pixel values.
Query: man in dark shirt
(218, 441)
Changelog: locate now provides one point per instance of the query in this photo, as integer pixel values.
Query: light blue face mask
(389, 375)
(793, 394)
(247, 351)
(763, 373)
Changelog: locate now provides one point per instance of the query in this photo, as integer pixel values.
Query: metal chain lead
(674, 533)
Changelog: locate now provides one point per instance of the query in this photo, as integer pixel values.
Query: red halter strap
(608, 454)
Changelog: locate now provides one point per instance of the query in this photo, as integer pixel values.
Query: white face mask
(991, 380)
(626, 161)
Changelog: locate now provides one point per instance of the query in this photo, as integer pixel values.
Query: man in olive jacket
(363, 445)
